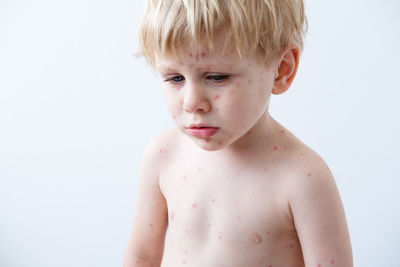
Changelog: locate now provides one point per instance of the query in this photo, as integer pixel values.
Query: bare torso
(228, 211)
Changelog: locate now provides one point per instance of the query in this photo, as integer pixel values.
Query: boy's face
(216, 99)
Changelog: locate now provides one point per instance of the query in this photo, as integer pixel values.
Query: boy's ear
(287, 70)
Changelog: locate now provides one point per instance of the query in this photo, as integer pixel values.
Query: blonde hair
(264, 26)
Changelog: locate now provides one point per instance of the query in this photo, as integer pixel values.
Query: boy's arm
(146, 243)
(320, 221)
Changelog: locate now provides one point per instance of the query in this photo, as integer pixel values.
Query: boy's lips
(202, 130)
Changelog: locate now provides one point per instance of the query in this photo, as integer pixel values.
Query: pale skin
(250, 195)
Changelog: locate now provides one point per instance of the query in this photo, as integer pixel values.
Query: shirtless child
(233, 186)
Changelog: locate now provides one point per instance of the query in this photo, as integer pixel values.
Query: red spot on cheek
(216, 97)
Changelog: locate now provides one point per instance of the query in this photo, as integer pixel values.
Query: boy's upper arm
(151, 216)
(319, 219)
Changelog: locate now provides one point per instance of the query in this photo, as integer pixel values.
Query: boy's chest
(226, 205)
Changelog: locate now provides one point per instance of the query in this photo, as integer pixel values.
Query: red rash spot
(319, 265)
(275, 148)
(203, 54)
(270, 265)
(209, 225)
(184, 262)
(190, 55)
(291, 246)
(174, 117)
(309, 174)
(216, 97)
(282, 132)
(185, 251)
(151, 225)
(194, 205)
(184, 177)
(213, 200)
(249, 81)
(219, 143)
(332, 261)
(238, 84)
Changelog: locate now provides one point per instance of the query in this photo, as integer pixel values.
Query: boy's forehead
(205, 59)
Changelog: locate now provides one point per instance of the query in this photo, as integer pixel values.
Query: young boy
(232, 185)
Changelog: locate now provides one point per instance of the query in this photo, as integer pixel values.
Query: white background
(77, 109)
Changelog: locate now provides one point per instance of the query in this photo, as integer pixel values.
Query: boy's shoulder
(161, 146)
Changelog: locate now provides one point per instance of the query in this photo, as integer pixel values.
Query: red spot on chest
(216, 97)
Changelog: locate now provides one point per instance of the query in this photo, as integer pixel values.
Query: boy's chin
(208, 144)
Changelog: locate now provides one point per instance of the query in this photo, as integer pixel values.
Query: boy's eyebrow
(199, 67)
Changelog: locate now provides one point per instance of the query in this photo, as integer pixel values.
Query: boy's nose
(195, 100)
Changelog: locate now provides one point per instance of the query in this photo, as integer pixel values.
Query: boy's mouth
(202, 130)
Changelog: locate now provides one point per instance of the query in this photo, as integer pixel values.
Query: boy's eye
(175, 79)
(218, 78)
